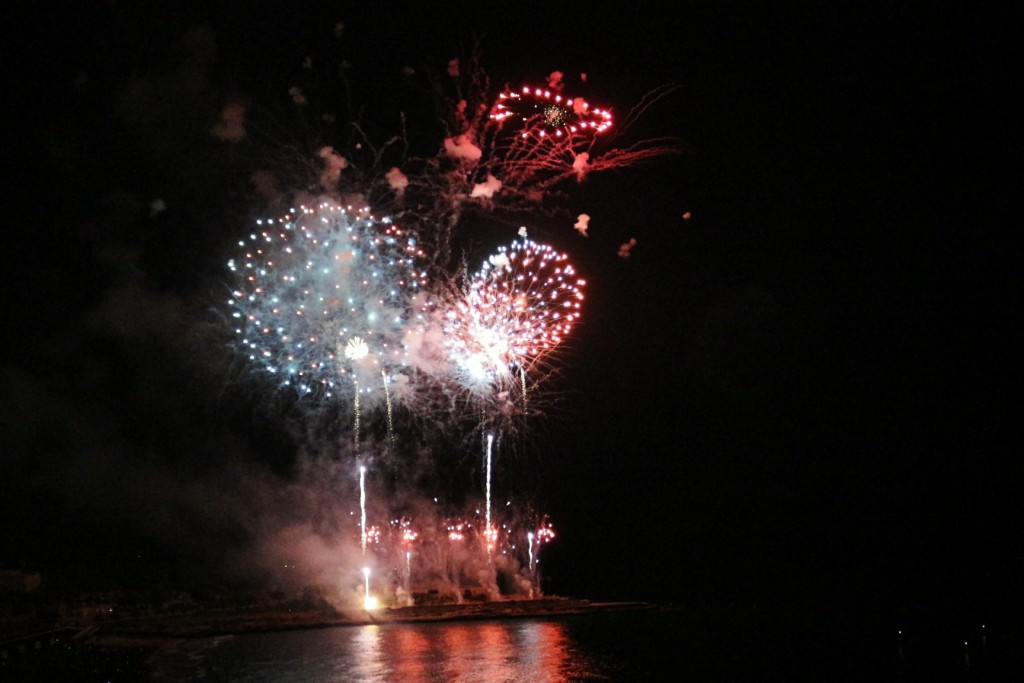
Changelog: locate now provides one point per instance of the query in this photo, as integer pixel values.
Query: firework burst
(322, 298)
(513, 312)
(543, 113)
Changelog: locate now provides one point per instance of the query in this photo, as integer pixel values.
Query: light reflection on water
(513, 651)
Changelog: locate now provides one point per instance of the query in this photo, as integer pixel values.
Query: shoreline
(208, 624)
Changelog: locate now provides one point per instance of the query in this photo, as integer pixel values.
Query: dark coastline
(206, 624)
(719, 642)
(118, 650)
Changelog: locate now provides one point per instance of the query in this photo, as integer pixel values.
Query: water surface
(608, 647)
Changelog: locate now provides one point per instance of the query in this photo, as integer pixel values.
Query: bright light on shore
(369, 601)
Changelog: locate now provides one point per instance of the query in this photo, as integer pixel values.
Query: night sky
(800, 399)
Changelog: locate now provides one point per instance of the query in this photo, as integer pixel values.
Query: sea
(656, 643)
(634, 646)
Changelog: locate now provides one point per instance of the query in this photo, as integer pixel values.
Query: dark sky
(803, 394)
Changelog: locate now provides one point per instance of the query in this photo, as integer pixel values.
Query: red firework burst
(546, 113)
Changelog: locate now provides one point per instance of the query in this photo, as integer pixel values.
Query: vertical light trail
(362, 506)
(522, 380)
(355, 350)
(490, 442)
(355, 406)
(369, 602)
(387, 398)
(408, 572)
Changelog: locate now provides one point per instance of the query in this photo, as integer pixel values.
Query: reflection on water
(634, 647)
(516, 651)
(367, 659)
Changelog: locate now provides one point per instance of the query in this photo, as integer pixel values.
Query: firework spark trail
(539, 139)
(408, 569)
(356, 417)
(391, 421)
(517, 145)
(543, 534)
(362, 507)
(487, 513)
(522, 380)
(317, 287)
(370, 602)
(356, 350)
